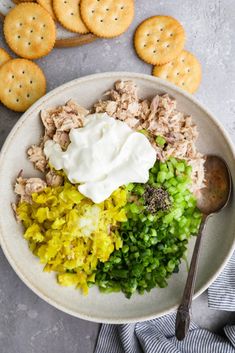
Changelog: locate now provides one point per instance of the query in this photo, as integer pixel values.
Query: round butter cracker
(68, 14)
(107, 18)
(159, 39)
(22, 83)
(30, 31)
(47, 5)
(184, 71)
(4, 56)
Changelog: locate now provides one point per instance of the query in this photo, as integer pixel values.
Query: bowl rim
(116, 76)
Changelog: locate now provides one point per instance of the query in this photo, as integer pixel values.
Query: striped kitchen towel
(158, 335)
(221, 294)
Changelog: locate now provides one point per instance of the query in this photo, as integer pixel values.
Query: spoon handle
(183, 313)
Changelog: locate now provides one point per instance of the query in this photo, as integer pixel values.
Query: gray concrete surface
(29, 325)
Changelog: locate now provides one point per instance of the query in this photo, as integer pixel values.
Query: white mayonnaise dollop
(102, 156)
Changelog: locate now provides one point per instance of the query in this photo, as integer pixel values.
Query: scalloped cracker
(68, 14)
(107, 18)
(30, 31)
(4, 56)
(184, 71)
(159, 39)
(47, 5)
(22, 82)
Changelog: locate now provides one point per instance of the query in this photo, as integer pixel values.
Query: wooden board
(79, 39)
(65, 38)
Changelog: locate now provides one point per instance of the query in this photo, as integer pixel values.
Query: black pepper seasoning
(156, 199)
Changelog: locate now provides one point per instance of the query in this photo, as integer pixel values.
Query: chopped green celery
(169, 175)
(182, 222)
(187, 197)
(177, 213)
(180, 178)
(170, 167)
(163, 167)
(188, 170)
(130, 186)
(197, 214)
(172, 182)
(173, 161)
(180, 167)
(183, 204)
(172, 190)
(139, 189)
(167, 184)
(157, 185)
(182, 187)
(160, 141)
(194, 230)
(168, 218)
(151, 179)
(154, 169)
(161, 177)
(192, 204)
(144, 132)
(182, 236)
(178, 198)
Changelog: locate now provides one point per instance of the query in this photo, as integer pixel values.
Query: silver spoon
(210, 199)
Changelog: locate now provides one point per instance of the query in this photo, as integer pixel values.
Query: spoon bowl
(218, 185)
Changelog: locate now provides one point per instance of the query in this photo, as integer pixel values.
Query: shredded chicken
(63, 118)
(62, 138)
(48, 122)
(37, 157)
(26, 187)
(54, 179)
(122, 103)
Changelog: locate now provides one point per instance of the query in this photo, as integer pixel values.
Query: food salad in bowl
(116, 204)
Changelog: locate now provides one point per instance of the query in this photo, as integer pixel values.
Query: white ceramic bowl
(218, 242)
